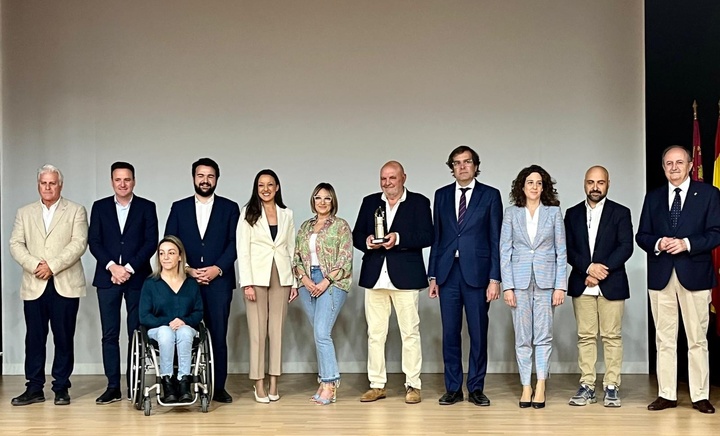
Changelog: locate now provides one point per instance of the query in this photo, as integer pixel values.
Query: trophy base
(379, 240)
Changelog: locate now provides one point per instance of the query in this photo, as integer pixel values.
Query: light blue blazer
(546, 256)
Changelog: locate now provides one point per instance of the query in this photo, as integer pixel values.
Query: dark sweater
(159, 304)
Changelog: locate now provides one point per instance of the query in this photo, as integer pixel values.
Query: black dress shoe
(110, 395)
(28, 397)
(449, 398)
(62, 398)
(538, 405)
(704, 406)
(222, 396)
(478, 398)
(661, 403)
(526, 404)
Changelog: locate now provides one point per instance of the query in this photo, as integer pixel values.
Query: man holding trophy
(392, 228)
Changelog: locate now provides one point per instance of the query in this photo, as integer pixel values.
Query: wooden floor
(295, 415)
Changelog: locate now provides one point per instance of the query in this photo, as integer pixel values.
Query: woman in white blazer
(533, 265)
(266, 245)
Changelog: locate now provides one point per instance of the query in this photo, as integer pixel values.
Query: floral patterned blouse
(334, 250)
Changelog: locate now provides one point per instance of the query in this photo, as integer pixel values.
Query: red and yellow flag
(716, 251)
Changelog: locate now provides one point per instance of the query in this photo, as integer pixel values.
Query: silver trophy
(379, 226)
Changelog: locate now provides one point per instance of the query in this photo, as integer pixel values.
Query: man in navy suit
(464, 270)
(122, 237)
(599, 238)
(679, 227)
(392, 273)
(206, 225)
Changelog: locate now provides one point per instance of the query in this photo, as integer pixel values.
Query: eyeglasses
(322, 199)
(466, 162)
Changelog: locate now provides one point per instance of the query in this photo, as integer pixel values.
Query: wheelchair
(144, 362)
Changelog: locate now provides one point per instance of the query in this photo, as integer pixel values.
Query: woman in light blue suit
(533, 265)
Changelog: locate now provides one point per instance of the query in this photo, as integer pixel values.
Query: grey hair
(47, 168)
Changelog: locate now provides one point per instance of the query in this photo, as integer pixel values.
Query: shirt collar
(54, 206)
(471, 185)
(210, 201)
(402, 197)
(599, 204)
(117, 203)
(684, 186)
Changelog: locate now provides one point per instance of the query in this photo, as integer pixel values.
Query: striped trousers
(533, 321)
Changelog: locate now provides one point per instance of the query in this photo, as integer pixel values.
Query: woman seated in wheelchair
(171, 309)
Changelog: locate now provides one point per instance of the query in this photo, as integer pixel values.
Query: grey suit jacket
(546, 256)
(61, 247)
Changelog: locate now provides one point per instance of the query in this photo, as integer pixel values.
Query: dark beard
(204, 194)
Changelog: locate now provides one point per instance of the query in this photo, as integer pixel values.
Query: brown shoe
(704, 406)
(373, 394)
(412, 395)
(661, 403)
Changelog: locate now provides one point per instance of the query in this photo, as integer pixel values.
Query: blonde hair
(183, 258)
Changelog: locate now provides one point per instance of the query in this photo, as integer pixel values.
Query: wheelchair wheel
(147, 406)
(137, 372)
(209, 373)
(204, 403)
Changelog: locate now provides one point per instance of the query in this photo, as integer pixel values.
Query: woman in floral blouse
(323, 265)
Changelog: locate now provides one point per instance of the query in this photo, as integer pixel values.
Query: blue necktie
(463, 205)
(675, 209)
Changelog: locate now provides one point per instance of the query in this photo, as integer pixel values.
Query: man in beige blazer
(48, 239)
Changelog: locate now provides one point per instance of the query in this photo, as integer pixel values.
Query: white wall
(321, 90)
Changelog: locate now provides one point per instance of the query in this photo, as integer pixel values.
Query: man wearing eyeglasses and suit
(464, 270)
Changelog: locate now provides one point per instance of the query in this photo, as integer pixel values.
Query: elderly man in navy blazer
(599, 237)
(464, 270)
(122, 237)
(679, 227)
(392, 273)
(206, 224)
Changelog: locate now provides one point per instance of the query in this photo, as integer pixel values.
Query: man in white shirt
(206, 225)
(679, 227)
(599, 238)
(123, 237)
(48, 239)
(392, 273)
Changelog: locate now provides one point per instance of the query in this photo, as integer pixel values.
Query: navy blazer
(699, 222)
(477, 240)
(405, 263)
(613, 247)
(136, 244)
(217, 247)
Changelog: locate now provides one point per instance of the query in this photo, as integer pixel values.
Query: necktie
(675, 209)
(463, 205)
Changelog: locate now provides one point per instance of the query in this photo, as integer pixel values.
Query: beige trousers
(596, 314)
(265, 318)
(378, 306)
(696, 316)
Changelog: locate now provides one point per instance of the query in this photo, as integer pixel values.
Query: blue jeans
(322, 312)
(167, 339)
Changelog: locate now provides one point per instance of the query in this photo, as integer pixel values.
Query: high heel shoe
(272, 397)
(537, 404)
(262, 400)
(527, 404)
(325, 401)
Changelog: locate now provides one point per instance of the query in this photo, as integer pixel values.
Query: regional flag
(716, 251)
(697, 173)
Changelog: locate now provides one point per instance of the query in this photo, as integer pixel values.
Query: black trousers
(216, 307)
(61, 315)
(110, 302)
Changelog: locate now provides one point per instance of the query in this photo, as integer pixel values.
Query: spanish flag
(716, 251)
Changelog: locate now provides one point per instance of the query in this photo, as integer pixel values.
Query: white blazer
(61, 247)
(257, 250)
